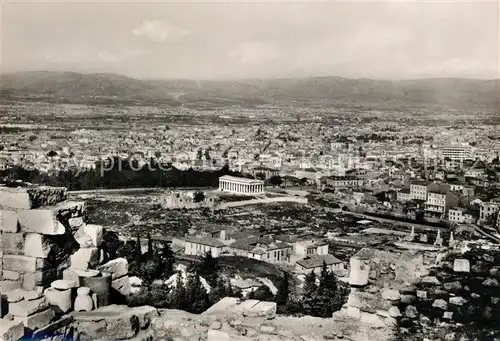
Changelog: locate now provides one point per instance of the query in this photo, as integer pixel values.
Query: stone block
(85, 258)
(461, 265)
(8, 221)
(9, 275)
(114, 322)
(122, 285)
(394, 312)
(13, 243)
(37, 245)
(117, 267)
(8, 286)
(391, 295)
(31, 197)
(75, 223)
(11, 330)
(25, 308)
(39, 278)
(440, 303)
(50, 220)
(89, 236)
(38, 320)
(23, 264)
(458, 300)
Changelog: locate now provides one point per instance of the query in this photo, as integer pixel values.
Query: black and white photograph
(236, 170)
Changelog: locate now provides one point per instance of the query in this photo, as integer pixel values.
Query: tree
(309, 295)
(178, 297)
(51, 153)
(329, 293)
(262, 293)
(138, 251)
(196, 295)
(281, 297)
(199, 196)
(167, 259)
(260, 176)
(150, 247)
(208, 268)
(275, 180)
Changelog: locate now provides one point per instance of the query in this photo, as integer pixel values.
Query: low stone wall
(298, 200)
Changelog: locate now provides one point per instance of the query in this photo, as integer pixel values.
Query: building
(418, 190)
(488, 212)
(403, 195)
(456, 152)
(438, 203)
(265, 172)
(264, 249)
(344, 182)
(237, 185)
(311, 247)
(315, 263)
(199, 246)
(460, 215)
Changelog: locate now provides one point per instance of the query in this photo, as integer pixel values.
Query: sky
(237, 39)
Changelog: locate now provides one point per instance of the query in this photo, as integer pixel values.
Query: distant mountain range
(108, 88)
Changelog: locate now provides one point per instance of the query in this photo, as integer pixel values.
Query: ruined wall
(47, 253)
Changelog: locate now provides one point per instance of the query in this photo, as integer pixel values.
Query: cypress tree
(309, 296)
(281, 297)
(150, 247)
(138, 251)
(196, 295)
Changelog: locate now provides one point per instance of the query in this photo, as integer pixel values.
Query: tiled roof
(315, 261)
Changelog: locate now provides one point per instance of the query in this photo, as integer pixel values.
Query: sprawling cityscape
(283, 208)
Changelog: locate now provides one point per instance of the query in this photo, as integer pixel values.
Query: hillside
(323, 91)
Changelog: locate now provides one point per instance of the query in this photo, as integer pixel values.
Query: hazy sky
(234, 39)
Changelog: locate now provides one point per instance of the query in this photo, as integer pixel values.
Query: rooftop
(241, 180)
(213, 242)
(315, 261)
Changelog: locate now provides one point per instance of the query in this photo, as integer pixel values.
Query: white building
(456, 152)
(239, 185)
(311, 247)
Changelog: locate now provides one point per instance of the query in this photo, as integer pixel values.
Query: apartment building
(456, 152)
(418, 190)
(438, 203)
(403, 195)
(488, 212)
(460, 215)
(311, 247)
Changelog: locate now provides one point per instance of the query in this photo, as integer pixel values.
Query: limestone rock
(411, 312)
(15, 295)
(25, 308)
(117, 267)
(85, 258)
(9, 222)
(391, 295)
(114, 322)
(440, 303)
(267, 329)
(49, 220)
(408, 299)
(457, 300)
(22, 263)
(31, 197)
(13, 243)
(394, 312)
(448, 315)
(430, 280)
(453, 286)
(89, 236)
(11, 275)
(122, 285)
(495, 271)
(422, 294)
(11, 330)
(75, 223)
(37, 245)
(38, 320)
(39, 278)
(491, 283)
(8, 286)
